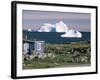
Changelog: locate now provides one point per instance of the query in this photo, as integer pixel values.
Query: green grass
(62, 57)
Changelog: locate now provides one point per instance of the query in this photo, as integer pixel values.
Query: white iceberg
(46, 28)
(58, 27)
(72, 33)
(29, 30)
(61, 27)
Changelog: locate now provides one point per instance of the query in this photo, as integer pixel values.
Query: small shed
(39, 48)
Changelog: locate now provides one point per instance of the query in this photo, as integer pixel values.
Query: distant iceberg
(46, 28)
(60, 27)
(29, 30)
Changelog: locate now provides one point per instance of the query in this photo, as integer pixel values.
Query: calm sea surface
(54, 37)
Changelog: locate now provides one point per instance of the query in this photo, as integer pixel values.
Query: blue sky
(36, 19)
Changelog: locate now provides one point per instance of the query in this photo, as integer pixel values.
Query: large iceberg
(60, 27)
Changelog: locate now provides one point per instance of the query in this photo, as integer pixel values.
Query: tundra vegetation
(60, 55)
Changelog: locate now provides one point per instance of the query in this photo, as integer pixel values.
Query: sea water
(54, 37)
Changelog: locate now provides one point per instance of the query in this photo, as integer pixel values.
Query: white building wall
(39, 47)
(25, 47)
